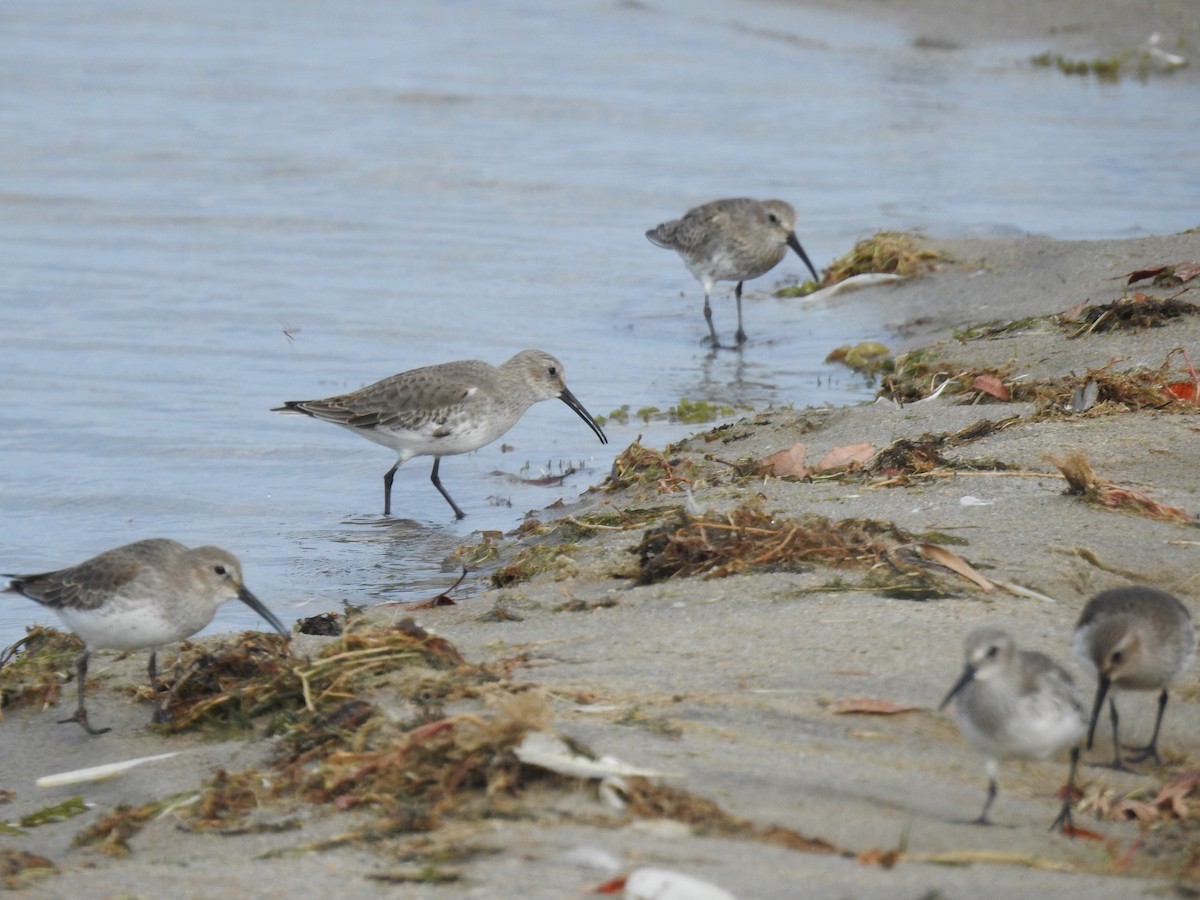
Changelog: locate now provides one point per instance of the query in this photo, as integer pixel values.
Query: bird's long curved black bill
(255, 604)
(794, 243)
(963, 681)
(1101, 692)
(568, 398)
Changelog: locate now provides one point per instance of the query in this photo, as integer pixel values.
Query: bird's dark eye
(552, 370)
(1116, 658)
(992, 651)
(774, 219)
(220, 570)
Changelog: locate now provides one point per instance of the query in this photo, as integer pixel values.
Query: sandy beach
(748, 690)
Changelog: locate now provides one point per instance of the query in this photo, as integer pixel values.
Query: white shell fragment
(968, 500)
(548, 751)
(663, 884)
(867, 279)
(98, 773)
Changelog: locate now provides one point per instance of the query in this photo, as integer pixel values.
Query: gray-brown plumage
(731, 240)
(1016, 704)
(1134, 639)
(445, 409)
(139, 595)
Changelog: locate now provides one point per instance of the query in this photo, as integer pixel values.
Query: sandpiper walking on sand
(139, 595)
(731, 240)
(1134, 639)
(446, 409)
(1016, 704)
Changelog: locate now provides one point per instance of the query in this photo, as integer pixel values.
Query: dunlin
(1135, 639)
(1016, 704)
(731, 240)
(137, 596)
(442, 410)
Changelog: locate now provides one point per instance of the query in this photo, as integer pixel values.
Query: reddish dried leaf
(990, 384)
(1148, 272)
(1182, 390)
(1074, 831)
(785, 463)
(1135, 809)
(955, 563)
(612, 886)
(885, 859)
(870, 706)
(1172, 795)
(1186, 271)
(1179, 273)
(846, 455)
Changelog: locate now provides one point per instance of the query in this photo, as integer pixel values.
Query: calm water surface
(209, 207)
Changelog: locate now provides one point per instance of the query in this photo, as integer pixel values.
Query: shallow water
(208, 208)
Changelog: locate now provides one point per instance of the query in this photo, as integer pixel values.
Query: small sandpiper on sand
(139, 595)
(731, 240)
(450, 408)
(1016, 704)
(1134, 639)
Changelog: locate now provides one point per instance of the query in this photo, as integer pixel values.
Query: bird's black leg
(387, 488)
(81, 667)
(1151, 749)
(437, 483)
(1064, 815)
(1112, 713)
(716, 344)
(987, 804)
(741, 333)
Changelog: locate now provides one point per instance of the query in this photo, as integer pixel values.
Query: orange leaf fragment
(1172, 795)
(955, 563)
(789, 462)
(845, 456)
(885, 859)
(1074, 831)
(612, 886)
(870, 706)
(1182, 390)
(992, 385)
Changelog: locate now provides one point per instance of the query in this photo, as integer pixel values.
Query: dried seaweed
(34, 668)
(748, 539)
(1084, 482)
(1138, 312)
(889, 252)
(18, 868)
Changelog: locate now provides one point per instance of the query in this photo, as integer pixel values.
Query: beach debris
(991, 385)
(789, 463)
(866, 357)
(99, 773)
(1138, 311)
(1164, 274)
(853, 283)
(888, 252)
(551, 752)
(869, 706)
(955, 563)
(749, 539)
(323, 625)
(20, 868)
(792, 462)
(58, 812)
(644, 467)
(1082, 481)
(648, 883)
(34, 668)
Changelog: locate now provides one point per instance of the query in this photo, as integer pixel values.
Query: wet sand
(729, 682)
